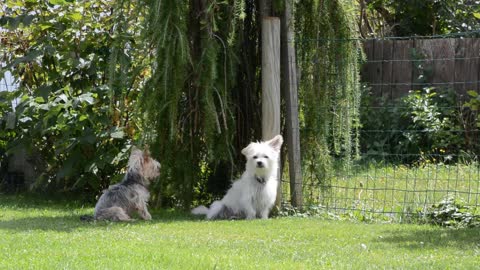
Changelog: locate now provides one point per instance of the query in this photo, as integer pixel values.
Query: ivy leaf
(76, 16)
(57, 2)
(119, 134)
(62, 97)
(51, 113)
(12, 4)
(44, 107)
(39, 99)
(476, 15)
(25, 119)
(87, 97)
(123, 154)
(472, 93)
(44, 26)
(92, 168)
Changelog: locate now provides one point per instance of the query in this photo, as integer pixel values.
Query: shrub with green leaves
(71, 139)
(413, 17)
(424, 125)
(451, 213)
(432, 123)
(474, 105)
(79, 73)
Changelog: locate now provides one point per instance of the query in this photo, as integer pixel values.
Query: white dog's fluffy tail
(201, 210)
(215, 209)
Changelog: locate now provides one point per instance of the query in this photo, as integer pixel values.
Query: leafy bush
(426, 123)
(474, 105)
(413, 17)
(79, 73)
(71, 139)
(451, 213)
(431, 123)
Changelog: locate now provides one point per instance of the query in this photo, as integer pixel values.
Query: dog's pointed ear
(146, 154)
(248, 151)
(276, 142)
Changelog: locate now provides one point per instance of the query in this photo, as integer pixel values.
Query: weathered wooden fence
(395, 67)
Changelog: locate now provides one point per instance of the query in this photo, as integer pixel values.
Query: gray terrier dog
(130, 196)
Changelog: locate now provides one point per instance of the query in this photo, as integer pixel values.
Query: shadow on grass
(34, 201)
(44, 223)
(466, 238)
(72, 222)
(38, 213)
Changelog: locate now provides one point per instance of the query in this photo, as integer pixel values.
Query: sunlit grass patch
(51, 236)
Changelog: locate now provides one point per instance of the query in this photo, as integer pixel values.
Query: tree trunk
(290, 92)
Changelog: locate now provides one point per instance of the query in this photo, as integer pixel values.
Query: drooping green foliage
(329, 54)
(186, 102)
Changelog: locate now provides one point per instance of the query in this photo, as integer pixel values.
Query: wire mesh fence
(419, 133)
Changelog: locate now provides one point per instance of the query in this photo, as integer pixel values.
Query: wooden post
(271, 83)
(290, 91)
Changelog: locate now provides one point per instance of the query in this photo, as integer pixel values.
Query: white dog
(254, 194)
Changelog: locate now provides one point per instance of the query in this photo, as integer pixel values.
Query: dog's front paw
(264, 215)
(143, 213)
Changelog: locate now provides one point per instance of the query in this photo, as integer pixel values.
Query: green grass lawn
(38, 234)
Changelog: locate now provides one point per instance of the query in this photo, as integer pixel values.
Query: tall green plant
(329, 55)
(186, 101)
(184, 133)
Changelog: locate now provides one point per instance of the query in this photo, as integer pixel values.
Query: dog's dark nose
(259, 164)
